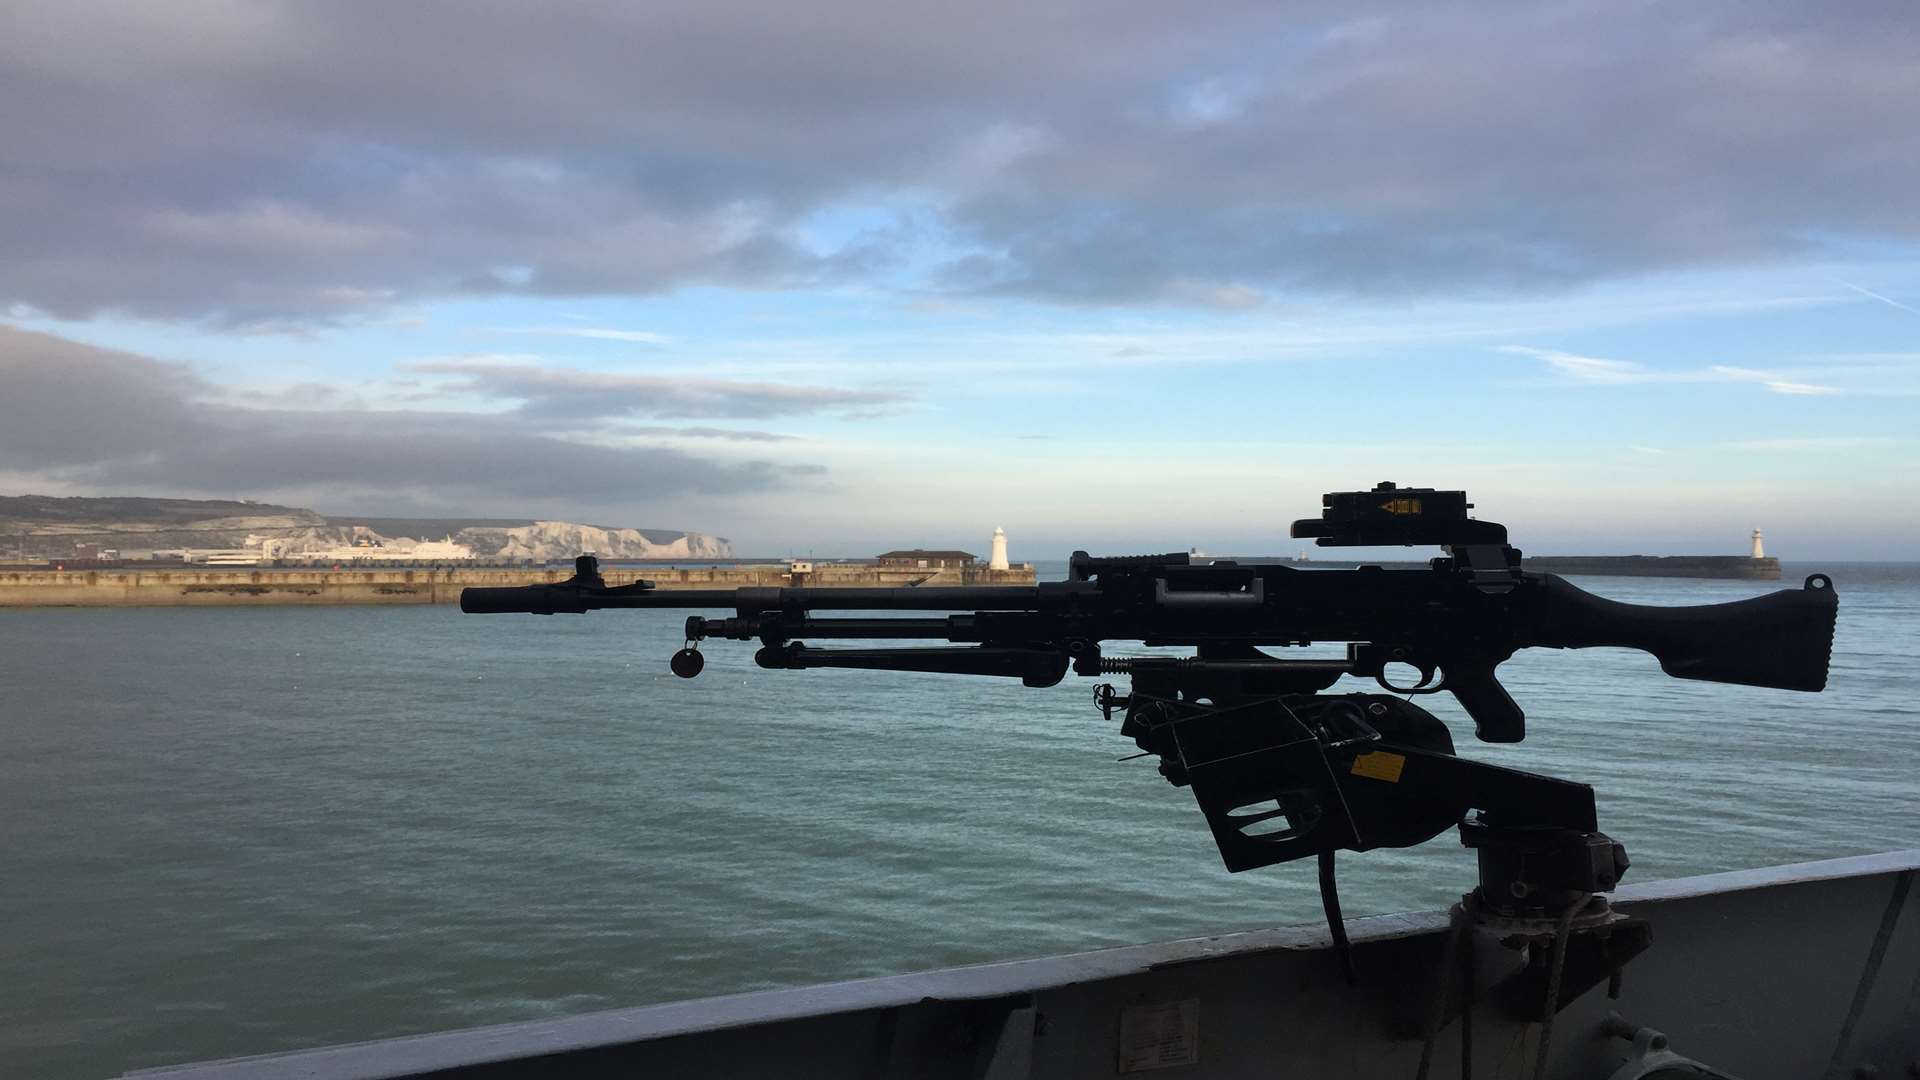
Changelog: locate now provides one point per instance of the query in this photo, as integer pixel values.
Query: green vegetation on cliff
(117, 512)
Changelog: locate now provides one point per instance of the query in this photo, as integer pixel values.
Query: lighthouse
(1758, 551)
(998, 560)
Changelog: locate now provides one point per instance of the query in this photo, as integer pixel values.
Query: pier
(1758, 568)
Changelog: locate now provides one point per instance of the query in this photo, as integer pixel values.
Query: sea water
(235, 831)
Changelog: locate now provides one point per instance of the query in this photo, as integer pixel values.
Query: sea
(234, 831)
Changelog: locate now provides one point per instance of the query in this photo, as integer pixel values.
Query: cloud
(1871, 295)
(300, 395)
(1771, 381)
(1817, 442)
(599, 333)
(68, 404)
(549, 394)
(949, 308)
(1590, 369)
(1602, 371)
(730, 434)
(298, 162)
(88, 418)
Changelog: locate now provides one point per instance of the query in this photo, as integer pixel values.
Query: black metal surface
(1536, 866)
(1287, 776)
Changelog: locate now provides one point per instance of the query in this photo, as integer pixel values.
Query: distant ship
(1757, 566)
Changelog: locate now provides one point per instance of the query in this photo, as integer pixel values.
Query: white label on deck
(1160, 1036)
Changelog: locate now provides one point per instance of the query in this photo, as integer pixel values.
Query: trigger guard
(1421, 687)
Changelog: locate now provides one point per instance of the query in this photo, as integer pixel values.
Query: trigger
(1424, 686)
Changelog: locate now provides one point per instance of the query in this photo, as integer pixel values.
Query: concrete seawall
(1765, 568)
(176, 587)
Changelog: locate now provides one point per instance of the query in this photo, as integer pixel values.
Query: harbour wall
(175, 587)
(1765, 568)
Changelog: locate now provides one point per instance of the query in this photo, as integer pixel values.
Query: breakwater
(1741, 567)
(177, 587)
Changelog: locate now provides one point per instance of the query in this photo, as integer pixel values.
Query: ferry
(367, 550)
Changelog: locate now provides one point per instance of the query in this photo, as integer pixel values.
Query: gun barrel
(1782, 640)
(569, 598)
(523, 600)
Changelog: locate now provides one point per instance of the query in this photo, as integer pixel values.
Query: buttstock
(1782, 640)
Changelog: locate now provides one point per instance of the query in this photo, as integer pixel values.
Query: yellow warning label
(1401, 506)
(1380, 765)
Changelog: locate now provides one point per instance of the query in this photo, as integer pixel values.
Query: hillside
(52, 515)
(43, 526)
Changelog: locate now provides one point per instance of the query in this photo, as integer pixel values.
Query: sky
(835, 278)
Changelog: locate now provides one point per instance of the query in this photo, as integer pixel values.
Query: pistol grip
(1496, 718)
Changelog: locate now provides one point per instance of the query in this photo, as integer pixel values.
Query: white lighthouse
(1758, 551)
(998, 560)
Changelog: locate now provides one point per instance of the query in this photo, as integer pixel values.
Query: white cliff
(37, 526)
(545, 541)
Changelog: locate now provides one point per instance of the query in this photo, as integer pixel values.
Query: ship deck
(1795, 971)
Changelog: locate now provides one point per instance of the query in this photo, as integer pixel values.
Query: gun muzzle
(1783, 640)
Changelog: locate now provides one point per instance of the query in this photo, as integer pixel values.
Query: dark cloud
(115, 421)
(554, 394)
(1441, 149)
(274, 163)
(64, 404)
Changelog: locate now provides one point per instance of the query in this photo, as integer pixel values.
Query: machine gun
(1281, 769)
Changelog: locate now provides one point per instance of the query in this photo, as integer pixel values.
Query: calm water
(239, 831)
